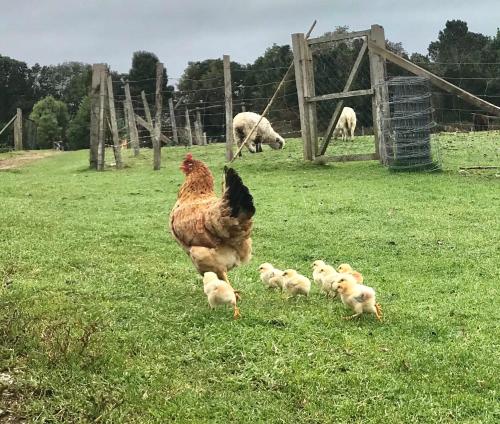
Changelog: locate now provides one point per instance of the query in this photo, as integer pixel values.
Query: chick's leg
(378, 311)
(236, 313)
(352, 316)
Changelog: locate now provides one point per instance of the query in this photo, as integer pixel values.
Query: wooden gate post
(304, 79)
(157, 123)
(228, 96)
(18, 130)
(114, 125)
(380, 99)
(134, 134)
(172, 120)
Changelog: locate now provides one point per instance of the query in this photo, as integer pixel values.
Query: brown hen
(214, 232)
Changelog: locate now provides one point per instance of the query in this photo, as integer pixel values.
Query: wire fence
(200, 104)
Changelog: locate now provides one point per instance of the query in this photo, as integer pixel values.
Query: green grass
(102, 316)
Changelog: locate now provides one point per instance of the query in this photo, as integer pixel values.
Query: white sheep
(264, 134)
(346, 124)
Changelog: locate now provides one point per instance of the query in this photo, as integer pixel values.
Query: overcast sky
(109, 31)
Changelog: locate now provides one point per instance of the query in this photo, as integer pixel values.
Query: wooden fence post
(188, 129)
(126, 118)
(300, 56)
(94, 113)
(228, 97)
(18, 130)
(146, 108)
(101, 148)
(380, 99)
(134, 134)
(114, 125)
(157, 123)
(198, 128)
(310, 91)
(172, 120)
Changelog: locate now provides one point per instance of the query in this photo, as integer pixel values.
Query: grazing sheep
(481, 122)
(264, 134)
(346, 124)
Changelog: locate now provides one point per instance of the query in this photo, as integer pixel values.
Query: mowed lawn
(103, 318)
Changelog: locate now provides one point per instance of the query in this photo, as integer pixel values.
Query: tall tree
(79, 127)
(15, 87)
(142, 75)
(68, 82)
(52, 118)
(457, 56)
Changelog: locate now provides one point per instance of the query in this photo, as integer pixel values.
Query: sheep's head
(278, 143)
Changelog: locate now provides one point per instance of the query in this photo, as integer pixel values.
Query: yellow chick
(359, 298)
(330, 279)
(219, 292)
(295, 283)
(346, 268)
(317, 276)
(270, 276)
(322, 272)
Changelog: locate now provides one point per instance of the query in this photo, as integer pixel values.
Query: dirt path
(20, 159)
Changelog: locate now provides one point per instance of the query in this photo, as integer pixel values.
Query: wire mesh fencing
(408, 124)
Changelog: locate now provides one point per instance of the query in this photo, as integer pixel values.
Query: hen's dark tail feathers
(238, 195)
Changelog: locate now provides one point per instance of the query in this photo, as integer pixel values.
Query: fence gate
(305, 62)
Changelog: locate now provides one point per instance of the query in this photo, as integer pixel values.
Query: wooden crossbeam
(338, 110)
(437, 81)
(145, 124)
(337, 37)
(351, 158)
(8, 123)
(343, 95)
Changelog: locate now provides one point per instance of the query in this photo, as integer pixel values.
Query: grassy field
(102, 317)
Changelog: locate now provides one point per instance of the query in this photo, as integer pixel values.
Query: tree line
(56, 96)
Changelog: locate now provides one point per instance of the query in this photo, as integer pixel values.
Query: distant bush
(52, 118)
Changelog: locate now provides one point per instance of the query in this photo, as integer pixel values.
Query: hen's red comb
(189, 156)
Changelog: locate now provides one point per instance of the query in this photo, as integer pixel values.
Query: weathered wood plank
(18, 130)
(228, 102)
(94, 113)
(101, 148)
(134, 134)
(147, 111)
(352, 158)
(145, 124)
(172, 120)
(298, 59)
(157, 123)
(437, 81)
(338, 37)
(114, 125)
(380, 100)
(8, 123)
(188, 129)
(343, 95)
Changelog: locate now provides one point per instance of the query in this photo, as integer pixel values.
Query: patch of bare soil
(24, 158)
